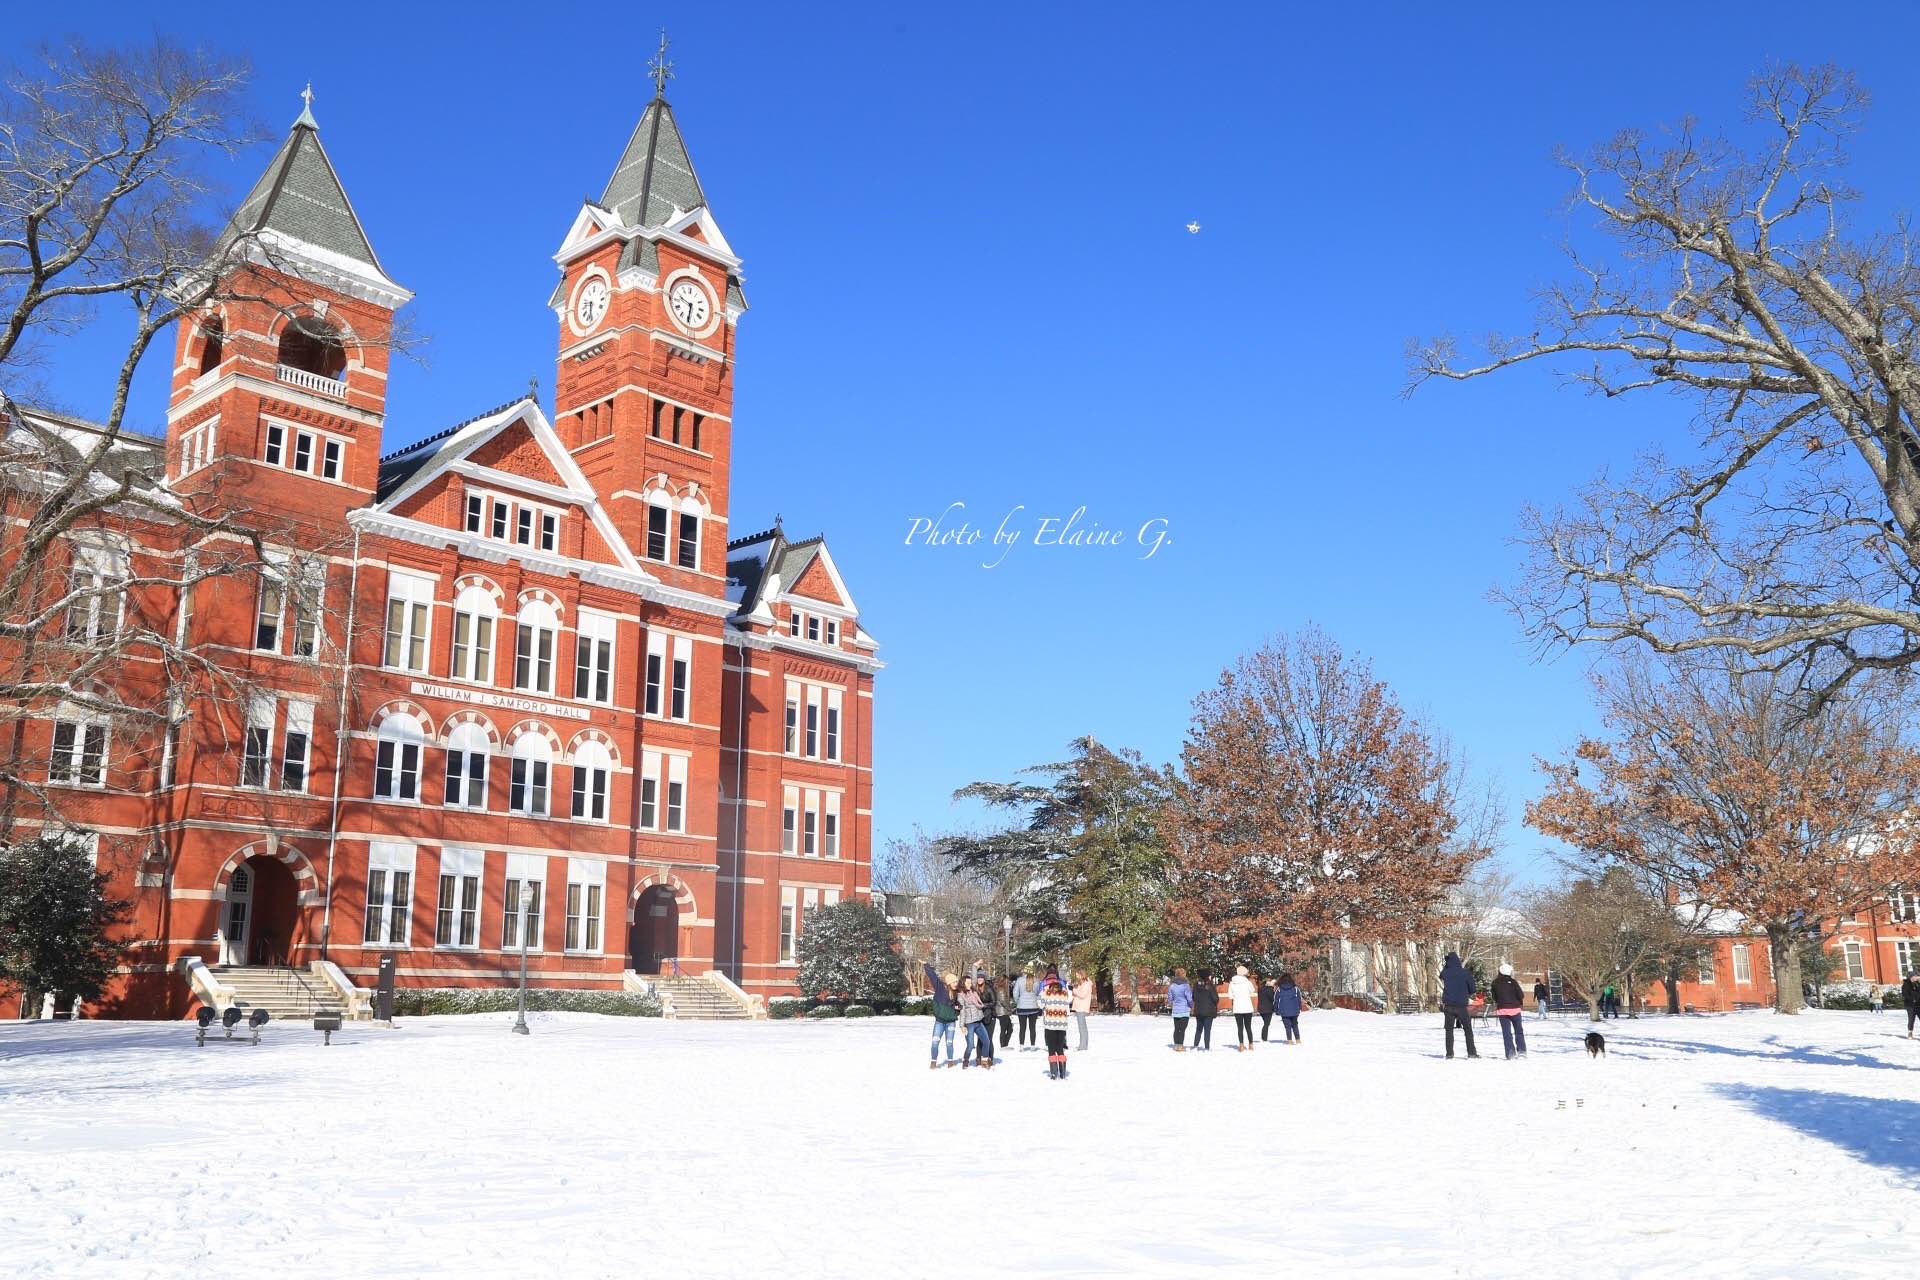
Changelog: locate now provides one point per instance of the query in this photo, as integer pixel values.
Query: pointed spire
(299, 199)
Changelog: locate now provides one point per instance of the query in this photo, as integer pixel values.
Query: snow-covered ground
(1741, 1145)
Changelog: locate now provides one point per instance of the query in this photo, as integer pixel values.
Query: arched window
(467, 749)
(687, 541)
(474, 615)
(532, 763)
(534, 642)
(311, 345)
(396, 762)
(592, 770)
(213, 339)
(659, 514)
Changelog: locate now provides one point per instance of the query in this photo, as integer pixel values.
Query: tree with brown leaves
(1724, 786)
(1311, 807)
(1600, 931)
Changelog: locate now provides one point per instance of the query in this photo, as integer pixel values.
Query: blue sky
(971, 282)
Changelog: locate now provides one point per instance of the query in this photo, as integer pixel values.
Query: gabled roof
(300, 197)
(763, 565)
(405, 471)
(654, 181)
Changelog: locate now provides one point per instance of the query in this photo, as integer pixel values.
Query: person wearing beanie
(944, 1013)
(1510, 1007)
(1240, 999)
(1055, 1007)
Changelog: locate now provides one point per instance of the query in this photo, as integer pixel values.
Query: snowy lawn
(1739, 1145)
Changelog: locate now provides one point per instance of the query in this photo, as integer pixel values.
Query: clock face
(690, 305)
(590, 304)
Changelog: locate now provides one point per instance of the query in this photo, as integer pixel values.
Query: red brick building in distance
(516, 674)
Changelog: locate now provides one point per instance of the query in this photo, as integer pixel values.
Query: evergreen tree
(1087, 870)
(55, 920)
(847, 950)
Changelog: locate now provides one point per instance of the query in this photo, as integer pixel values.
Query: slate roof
(138, 453)
(300, 196)
(401, 465)
(753, 559)
(655, 174)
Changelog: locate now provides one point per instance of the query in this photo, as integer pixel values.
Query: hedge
(785, 1007)
(859, 1011)
(825, 1011)
(413, 1002)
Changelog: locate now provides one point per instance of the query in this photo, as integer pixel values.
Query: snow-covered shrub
(859, 1011)
(785, 1007)
(917, 1006)
(421, 1001)
(1854, 993)
(825, 1011)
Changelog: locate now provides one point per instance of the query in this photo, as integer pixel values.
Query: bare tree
(1597, 932)
(1730, 275)
(106, 216)
(951, 917)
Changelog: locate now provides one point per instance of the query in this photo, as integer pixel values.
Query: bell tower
(647, 303)
(279, 381)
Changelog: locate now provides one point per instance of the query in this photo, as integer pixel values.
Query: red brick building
(517, 674)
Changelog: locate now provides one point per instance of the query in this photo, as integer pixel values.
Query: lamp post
(526, 922)
(1006, 929)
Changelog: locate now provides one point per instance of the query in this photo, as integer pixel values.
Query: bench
(204, 1018)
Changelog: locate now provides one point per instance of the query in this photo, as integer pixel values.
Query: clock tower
(647, 303)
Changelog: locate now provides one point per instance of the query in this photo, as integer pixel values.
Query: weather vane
(660, 68)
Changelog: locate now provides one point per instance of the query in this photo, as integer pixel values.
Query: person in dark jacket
(1910, 1000)
(989, 1013)
(1286, 1003)
(1266, 1006)
(1180, 1005)
(1456, 991)
(1003, 1004)
(1206, 1007)
(1540, 997)
(1510, 1006)
(944, 1014)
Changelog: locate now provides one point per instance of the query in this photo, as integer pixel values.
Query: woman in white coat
(1241, 999)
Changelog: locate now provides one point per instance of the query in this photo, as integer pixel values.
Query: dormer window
(311, 345)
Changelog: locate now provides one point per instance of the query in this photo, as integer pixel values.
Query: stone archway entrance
(656, 930)
(258, 920)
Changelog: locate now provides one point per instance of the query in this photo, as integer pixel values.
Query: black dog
(1596, 1045)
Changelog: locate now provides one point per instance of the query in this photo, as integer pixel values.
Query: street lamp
(527, 892)
(1006, 929)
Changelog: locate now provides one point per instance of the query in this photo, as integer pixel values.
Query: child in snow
(944, 1014)
(1240, 1000)
(1286, 1003)
(1082, 1006)
(1055, 1006)
(1180, 1005)
(1509, 1007)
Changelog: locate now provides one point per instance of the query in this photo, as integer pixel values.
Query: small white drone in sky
(1193, 228)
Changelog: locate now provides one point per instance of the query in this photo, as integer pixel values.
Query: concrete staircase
(698, 999)
(288, 995)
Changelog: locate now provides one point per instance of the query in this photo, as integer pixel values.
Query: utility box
(383, 990)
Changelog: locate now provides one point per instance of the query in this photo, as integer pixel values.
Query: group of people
(1199, 1002)
(1457, 992)
(978, 1004)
